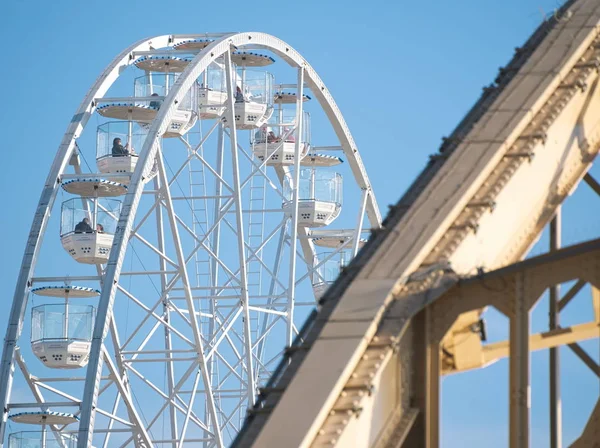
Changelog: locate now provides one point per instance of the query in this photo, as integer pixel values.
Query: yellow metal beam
(596, 303)
(541, 341)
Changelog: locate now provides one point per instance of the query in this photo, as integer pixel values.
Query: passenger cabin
(88, 223)
(212, 92)
(276, 141)
(61, 333)
(253, 97)
(319, 197)
(328, 268)
(117, 146)
(150, 91)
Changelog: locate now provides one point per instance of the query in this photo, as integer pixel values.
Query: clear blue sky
(403, 75)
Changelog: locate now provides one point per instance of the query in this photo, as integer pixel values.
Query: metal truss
(196, 307)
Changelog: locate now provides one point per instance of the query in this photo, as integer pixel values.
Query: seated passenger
(155, 104)
(290, 136)
(84, 226)
(272, 138)
(118, 150)
(239, 96)
(261, 135)
(99, 228)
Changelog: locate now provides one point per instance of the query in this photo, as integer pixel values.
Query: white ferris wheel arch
(219, 47)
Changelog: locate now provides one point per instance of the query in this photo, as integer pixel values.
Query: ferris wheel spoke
(154, 249)
(314, 270)
(224, 327)
(220, 179)
(227, 336)
(231, 370)
(254, 256)
(149, 313)
(111, 422)
(189, 297)
(202, 245)
(172, 399)
(200, 145)
(139, 429)
(34, 387)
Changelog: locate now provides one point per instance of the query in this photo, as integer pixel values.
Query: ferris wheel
(195, 226)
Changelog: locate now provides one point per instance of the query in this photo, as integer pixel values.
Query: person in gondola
(239, 96)
(118, 150)
(260, 136)
(290, 135)
(84, 226)
(155, 104)
(99, 228)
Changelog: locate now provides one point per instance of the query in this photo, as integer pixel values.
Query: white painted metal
(198, 362)
(237, 196)
(294, 207)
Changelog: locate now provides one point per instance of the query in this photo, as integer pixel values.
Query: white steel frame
(202, 353)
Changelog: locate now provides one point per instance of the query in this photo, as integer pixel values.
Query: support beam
(571, 293)
(543, 341)
(237, 195)
(432, 391)
(554, 355)
(591, 433)
(139, 432)
(593, 183)
(519, 368)
(359, 224)
(165, 309)
(596, 303)
(587, 359)
(199, 344)
(291, 290)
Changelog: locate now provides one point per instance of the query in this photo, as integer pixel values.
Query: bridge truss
(387, 330)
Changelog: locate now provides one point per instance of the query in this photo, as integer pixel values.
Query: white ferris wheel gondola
(275, 141)
(181, 122)
(150, 92)
(88, 223)
(61, 333)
